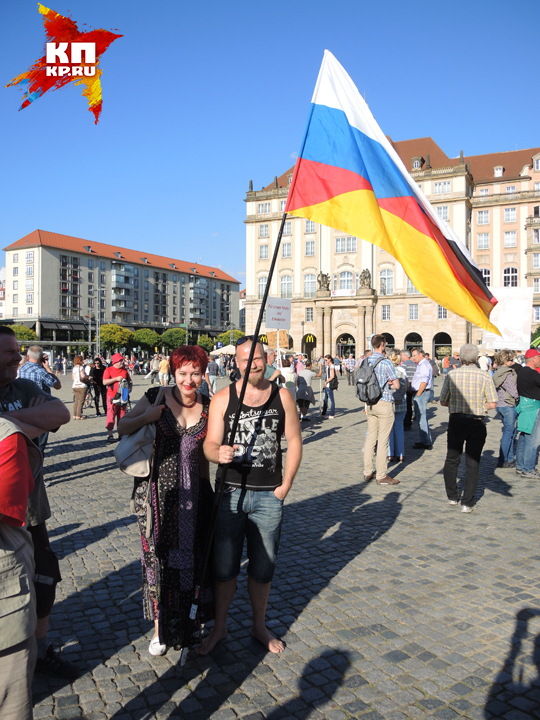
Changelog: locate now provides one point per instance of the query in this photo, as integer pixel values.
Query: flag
(349, 177)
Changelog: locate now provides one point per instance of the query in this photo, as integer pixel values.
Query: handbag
(333, 384)
(133, 454)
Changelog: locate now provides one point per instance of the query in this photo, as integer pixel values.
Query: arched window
(386, 278)
(310, 285)
(510, 277)
(262, 286)
(345, 280)
(286, 286)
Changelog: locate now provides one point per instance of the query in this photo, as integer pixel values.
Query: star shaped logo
(63, 62)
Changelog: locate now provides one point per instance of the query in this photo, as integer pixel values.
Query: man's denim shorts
(257, 516)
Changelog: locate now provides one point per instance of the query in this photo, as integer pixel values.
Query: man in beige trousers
(380, 416)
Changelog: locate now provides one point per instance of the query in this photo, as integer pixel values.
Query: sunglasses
(246, 338)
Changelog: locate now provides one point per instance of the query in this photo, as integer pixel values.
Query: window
(385, 312)
(146, 285)
(510, 188)
(262, 286)
(334, 285)
(442, 212)
(263, 231)
(90, 264)
(345, 244)
(510, 239)
(309, 314)
(345, 280)
(386, 278)
(447, 185)
(411, 290)
(416, 165)
(536, 261)
(102, 265)
(310, 226)
(509, 215)
(263, 208)
(90, 289)
(310, 285)
(16, 257)
(102, 279)
(30, 257)
(310, 248)
(30, 311)
(498, 172)
(263, 252)
(15, 271)
(510, 277)
(483, 217)
(537, 164)
(537, 186)
(483, 241)
(536, 313)
(536, 237)
(15, 312)
(29, 285)
(437, 188)
(15, 284)
(286, 286)
(413, 312)
(282, 204)
(15, 298)
(536, 285)
(136, 284)
(91, 277)
(442, 313)
(146, 272)
(483, 192)
(286, 250)
(287, 228)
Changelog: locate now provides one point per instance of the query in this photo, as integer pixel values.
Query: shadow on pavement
(64, 546)
(510, 695)
(321, 535)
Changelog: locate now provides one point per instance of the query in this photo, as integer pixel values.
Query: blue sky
(203, 97)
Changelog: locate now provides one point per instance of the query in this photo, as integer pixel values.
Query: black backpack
(368, 389)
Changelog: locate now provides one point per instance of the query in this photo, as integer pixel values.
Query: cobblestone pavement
(392, 603)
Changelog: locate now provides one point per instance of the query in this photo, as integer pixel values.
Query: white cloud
(293, 155)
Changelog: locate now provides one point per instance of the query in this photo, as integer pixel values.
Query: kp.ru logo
(57, 68)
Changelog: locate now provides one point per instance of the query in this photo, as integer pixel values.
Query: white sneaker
(156, 648)
(467, 509)
(453, 502)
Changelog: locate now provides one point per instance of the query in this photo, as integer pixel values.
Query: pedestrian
(289, 376)
(64, 364)
(304, 394)
(213, 372)
(468, 393)
(330, 379)
(58, 366)
(396, 440)
(528, 386)
(505, 379)
(410, 369)
(380, 417)
(484, 362)
(173, 540)
(111, 379)
(100, 391)
(435, 368)
(421, 384)
(164, 371)
(79, 385)
(454, 362)
(154, 369)
(350, 366)
(338, 366)
(257, 484)
(22, 401)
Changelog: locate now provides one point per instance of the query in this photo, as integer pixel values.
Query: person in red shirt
(111, 379)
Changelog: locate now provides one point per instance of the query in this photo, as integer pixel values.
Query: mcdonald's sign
(310, 338)
(263, 339)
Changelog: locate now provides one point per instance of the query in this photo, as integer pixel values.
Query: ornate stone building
(344, 289)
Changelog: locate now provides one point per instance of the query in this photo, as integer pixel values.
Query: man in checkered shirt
(350, 366)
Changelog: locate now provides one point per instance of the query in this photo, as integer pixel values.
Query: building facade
(365, 290)
(61, 286)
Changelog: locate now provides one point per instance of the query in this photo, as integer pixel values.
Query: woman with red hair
(179, 495)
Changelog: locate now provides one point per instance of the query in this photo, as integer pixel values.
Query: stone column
(361, 339)
(328, 331)
(319, 329)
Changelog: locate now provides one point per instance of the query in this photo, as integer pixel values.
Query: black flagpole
(220, 482)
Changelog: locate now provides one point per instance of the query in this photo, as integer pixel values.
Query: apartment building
(60, 285)
(342, 317)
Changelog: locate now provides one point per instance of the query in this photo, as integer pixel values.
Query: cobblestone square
(392, 603)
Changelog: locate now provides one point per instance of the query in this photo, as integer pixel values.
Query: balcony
(503, 198)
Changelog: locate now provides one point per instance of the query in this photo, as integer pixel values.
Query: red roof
(513, 162)
(422, 147)
(43, 238)
(242, 294)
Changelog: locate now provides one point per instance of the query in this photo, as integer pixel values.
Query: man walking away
(528, 387)
(380, 417)
(213, 372)
(154, 369)
(468, 393)
(350, 366)
(421, 384)
(410, 369)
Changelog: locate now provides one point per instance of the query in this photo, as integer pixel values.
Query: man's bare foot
(209, 643)
(270, 642)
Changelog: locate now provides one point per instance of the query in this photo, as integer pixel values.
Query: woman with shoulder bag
(79, 386)
(173, 504)
(329, 384)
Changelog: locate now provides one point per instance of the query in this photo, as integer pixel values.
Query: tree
(173, 338)
(115, 336)
(24, 333)
(206, 342)
(147, 339)
(535, 336)
(225, 337)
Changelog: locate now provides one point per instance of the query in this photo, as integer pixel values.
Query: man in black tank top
(257, 484)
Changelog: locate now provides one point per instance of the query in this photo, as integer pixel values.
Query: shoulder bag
(133, 454)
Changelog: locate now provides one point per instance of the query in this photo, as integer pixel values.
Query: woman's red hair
(188, 354)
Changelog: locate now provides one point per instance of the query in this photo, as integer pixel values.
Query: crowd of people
(193, 422)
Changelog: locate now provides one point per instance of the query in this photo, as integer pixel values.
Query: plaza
(392, 604)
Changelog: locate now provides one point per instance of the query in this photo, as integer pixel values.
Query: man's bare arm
(213, 447)
(41, 413)
(31, 430)
(293, 436)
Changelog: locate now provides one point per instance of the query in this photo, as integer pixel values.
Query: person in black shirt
(100, 391)
(528, 385)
